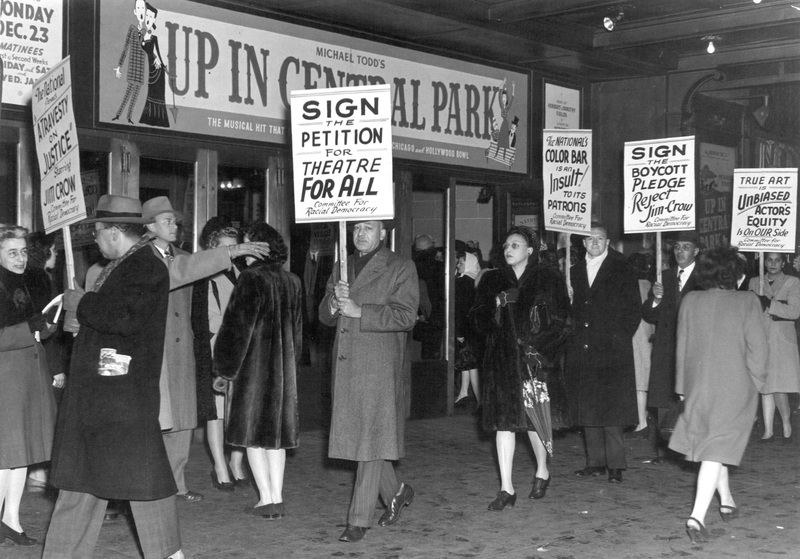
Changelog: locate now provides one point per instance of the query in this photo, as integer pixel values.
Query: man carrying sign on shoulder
(373, 313)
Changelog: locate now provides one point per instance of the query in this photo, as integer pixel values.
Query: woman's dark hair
(263, 232)
(212, 228)
(719, 268)
(39, 245)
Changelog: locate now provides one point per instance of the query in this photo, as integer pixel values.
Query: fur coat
(258, 346)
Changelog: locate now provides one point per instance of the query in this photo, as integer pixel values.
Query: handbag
(548, 333)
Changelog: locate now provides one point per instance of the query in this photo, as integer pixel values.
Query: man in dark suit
(600, 376)
(661, 308)
(373, 311)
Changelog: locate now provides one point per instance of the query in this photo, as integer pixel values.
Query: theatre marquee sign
(230, 74)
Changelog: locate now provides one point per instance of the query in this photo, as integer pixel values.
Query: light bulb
(756, 1)
(711, 49)
(608, 23)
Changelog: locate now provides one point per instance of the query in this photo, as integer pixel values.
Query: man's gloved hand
(765, 301)
(37, 323)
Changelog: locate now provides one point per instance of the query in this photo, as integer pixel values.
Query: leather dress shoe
(353, 534)
(221, 485)
(590, 471)
(502, 500)
(403, 498)
(614, 475)
(267, 511)
(19, 538)
(189, 496)
(540, 486)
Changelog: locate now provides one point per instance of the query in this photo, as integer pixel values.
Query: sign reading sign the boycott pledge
(659, 185)
(57, 147)
(764, 210)
(342, 150)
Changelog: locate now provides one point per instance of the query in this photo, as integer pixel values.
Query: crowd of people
(166, 341)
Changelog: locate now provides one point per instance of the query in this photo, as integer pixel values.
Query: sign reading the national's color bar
(764, 210)
(56, 139)
(342, 154)
(567, 174)
(659, 185)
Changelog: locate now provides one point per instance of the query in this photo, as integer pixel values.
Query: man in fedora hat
(661, 308)
(373, 311)
(179, 377)
(108, 443)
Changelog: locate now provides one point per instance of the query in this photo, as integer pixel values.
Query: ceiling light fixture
(609, 23)
(762, 113)
(756, 1)
(711, 49)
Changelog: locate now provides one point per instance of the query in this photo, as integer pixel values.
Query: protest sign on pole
(567, 176)
(659, 185)
(764, 210)
(56, 138)
(342, 156)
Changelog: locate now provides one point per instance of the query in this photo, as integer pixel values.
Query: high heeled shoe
(503, 500)
(699, 534)
(221, 485)
(731, 513)
(539, 489)
(19, 538)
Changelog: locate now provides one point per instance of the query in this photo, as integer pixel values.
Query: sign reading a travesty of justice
(342, 154)
(659, 185)
(764, 209)
(567, 174)
(56, 139)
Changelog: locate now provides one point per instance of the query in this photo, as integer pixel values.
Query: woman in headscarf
(27, 404)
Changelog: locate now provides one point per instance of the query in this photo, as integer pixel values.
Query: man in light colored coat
(373, 312)
(178, 414)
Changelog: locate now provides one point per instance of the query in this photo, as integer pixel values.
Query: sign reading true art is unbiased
(342, 153)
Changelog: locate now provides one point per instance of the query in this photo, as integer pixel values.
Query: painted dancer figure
(136, 57)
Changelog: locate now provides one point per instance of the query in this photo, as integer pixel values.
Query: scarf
(114, 263)
(16, 304)
(471, 266)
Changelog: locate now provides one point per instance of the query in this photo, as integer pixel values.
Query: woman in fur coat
(258, 346)
(503, 312)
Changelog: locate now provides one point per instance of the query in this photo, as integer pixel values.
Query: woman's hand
(59, 380)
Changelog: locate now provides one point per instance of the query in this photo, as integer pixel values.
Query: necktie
(168, 254)
(680, 280)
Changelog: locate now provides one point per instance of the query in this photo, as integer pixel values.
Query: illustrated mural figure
(502, 146)
(136, 57)
(155, 109)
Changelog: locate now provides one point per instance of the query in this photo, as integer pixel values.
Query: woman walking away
(258, 347)
(721, 342)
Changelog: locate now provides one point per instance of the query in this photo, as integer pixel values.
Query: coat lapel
(374, 268)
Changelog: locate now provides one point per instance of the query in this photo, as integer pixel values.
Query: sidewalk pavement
(452, 467)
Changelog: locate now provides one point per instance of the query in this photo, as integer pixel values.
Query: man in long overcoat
(179, 372)
(661, 308)
(373, 311)
(108, 441)
(600, 375)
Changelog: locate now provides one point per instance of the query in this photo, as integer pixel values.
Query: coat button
(177, 313)
(586, 324)
(585, 346)
(177, 340)
(342, 358)
(343, 330)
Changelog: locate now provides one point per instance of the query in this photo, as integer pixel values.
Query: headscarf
(471, 266)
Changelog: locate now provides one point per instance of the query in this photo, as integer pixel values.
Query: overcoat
(722, 353)
(179, 383)
(27, 406)
(108, 439)
(369, 353)
(783, 367)
(503, 370)
(600, 374)
(661, 391)
(258, 347)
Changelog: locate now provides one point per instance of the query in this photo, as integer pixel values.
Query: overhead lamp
(609, 23)
(762, 113)
(756, 1)
(711, 49)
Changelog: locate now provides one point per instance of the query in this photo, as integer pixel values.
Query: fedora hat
(157, 206)
(118, 209)
(688, 237)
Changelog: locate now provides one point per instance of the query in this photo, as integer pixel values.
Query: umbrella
(537, 399)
